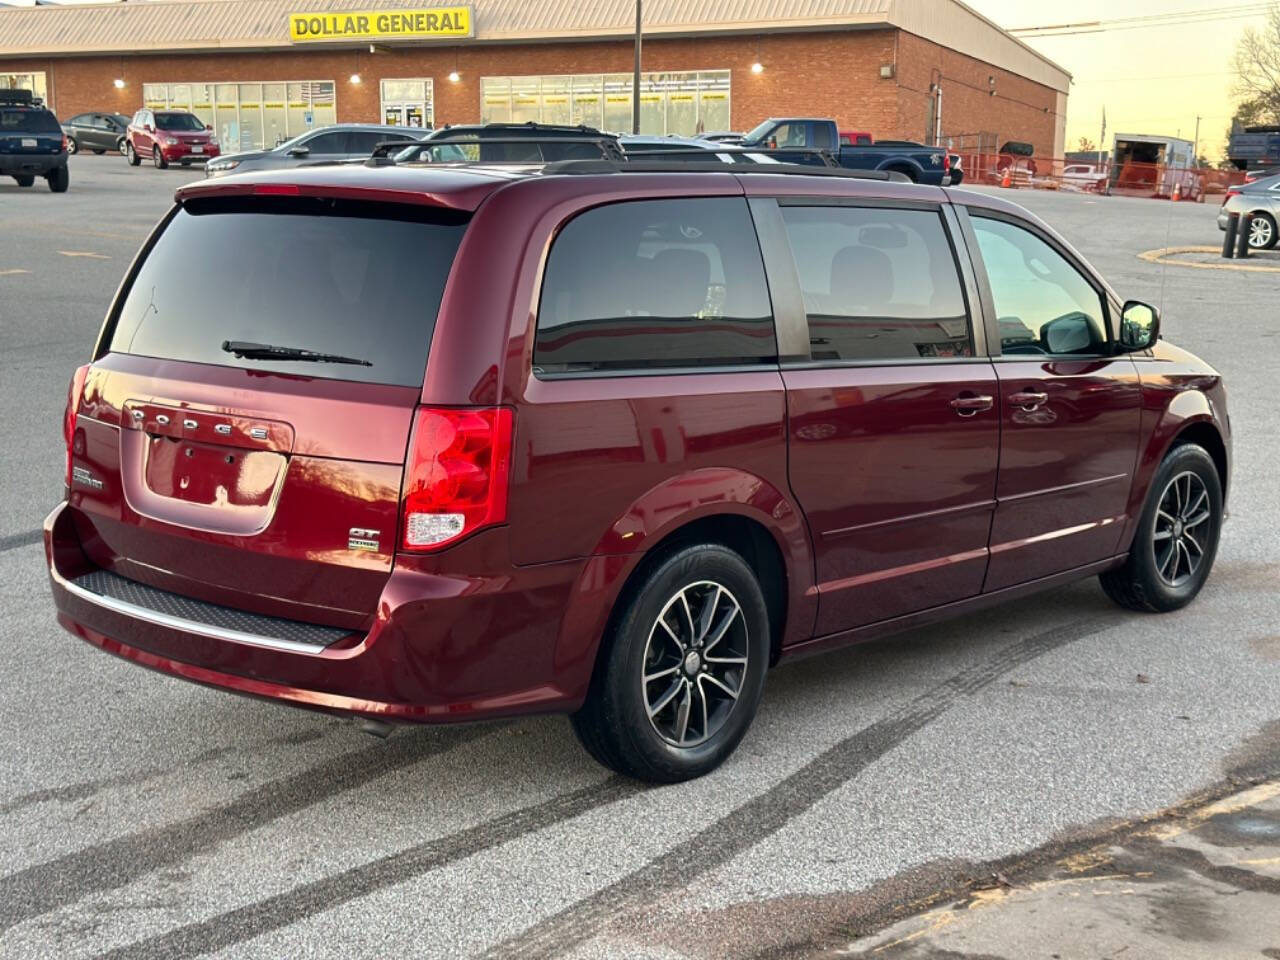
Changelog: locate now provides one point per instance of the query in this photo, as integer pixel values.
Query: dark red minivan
(439, 444)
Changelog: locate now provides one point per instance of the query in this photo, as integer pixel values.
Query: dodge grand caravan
(592, 438)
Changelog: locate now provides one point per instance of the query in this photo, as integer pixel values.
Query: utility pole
(1195, 150)
(635, 79)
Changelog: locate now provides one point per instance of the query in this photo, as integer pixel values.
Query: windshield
(28, 121)
(334, 277)
(178, 121)
(758, 132)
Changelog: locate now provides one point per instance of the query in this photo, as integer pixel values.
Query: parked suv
(169, 136)
(468, 443)
(331, 144)
(31, 142)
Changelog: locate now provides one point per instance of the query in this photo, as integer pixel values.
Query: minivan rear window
(354, 280)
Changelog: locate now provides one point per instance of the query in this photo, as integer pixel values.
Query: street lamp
(757, 67)
(119, 82)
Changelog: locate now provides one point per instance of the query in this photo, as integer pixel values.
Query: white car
(1084, 176)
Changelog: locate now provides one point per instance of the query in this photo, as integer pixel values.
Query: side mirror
(301, 150)
(208, 126)
(1139, 326)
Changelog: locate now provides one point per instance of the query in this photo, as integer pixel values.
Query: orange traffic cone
(1177, 192)
(1007, 179)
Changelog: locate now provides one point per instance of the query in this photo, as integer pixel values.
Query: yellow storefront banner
(381, 24)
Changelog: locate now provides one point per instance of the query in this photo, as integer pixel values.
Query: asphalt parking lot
(145, 817)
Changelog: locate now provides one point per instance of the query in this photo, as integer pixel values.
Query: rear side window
(28, 121)
(878, 283)
(656, 283)
(357, 280)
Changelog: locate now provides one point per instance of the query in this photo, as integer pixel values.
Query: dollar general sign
(381, 24)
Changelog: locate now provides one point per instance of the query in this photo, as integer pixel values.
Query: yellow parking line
(84, 253)
(13, 272)
(1168, 254)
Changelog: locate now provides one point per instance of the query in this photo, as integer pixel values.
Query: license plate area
(211, 475)
(30, 142)
(197, 149)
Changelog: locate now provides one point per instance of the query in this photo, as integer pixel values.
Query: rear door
(893, 432)
(265, 484)
(1070, 408)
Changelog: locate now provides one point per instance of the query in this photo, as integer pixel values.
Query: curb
(1166, 255)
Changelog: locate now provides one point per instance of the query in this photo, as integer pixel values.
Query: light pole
(635, 79)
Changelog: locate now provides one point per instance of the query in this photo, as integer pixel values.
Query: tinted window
(80, 118)
(329, 143)
(878, 284)
(1043, 303)
(178, 121)
(359, 141)
(28, 121)
(338, 278)
(657, 283)
(821, 136)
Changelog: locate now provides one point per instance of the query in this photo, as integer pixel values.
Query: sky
(1156, 79)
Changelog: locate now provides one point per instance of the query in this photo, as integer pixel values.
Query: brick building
(261, 71)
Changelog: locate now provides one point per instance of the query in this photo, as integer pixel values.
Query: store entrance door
(405, 114)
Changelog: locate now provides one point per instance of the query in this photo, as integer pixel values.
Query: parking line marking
(84, 253)
(14, 272)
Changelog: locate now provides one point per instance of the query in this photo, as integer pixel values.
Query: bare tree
(1086, 145)
(1257, 65)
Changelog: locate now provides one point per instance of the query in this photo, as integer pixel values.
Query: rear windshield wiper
(246, 350)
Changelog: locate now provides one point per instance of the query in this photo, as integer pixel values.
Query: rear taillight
(946, 163)
(1230, 194)
(456, 476)
(64, 143)
(74, 393)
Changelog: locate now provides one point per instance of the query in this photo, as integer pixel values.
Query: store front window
(250, 116)
(407, 103)
(681, 103)
(25, 81)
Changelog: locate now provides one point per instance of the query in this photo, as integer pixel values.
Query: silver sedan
(1262, 199)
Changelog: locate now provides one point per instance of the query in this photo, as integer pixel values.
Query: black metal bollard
(1229, 241)
(1242, 238)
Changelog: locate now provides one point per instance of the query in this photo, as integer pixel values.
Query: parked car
(1261, 198)
(453, 444)
(169, 136)
(1255, 175)
(528, 142)
(957, 170)
(32, 143)
(331, 144)
(920, 164)
(1085, 176)
(721, 136)
(98, 132)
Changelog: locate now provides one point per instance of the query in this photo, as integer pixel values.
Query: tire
(25, 180)
(615, 725)
(59, 179)
(121, 145)
(1151, 579)
(132, 154)
(72, 147)
(158, 160)
(1262, 233)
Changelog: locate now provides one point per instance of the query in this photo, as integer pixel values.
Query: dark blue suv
(32, 143)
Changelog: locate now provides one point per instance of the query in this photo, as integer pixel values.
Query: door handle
(1029, 399)
(968, 406)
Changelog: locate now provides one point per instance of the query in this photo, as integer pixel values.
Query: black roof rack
(21, 97)
(589, 167)
(803, 155)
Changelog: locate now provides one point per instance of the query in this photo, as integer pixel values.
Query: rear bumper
(441, 648)
(30, 164)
